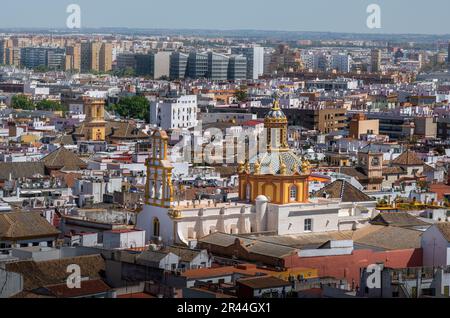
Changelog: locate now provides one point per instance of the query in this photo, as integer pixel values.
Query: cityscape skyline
(320, 16)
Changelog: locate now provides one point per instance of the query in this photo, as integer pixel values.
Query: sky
(397, 16)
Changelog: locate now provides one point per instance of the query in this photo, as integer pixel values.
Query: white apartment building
(341, 62)
(174, 113)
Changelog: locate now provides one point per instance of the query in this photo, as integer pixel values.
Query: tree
(21, 102)
(41, 69)
(241, 95)
(136, 107)
(50, 105)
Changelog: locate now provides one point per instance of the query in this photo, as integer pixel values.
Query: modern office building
(128, 61)
(178, 65)
(154, 65)
(255, 60)
(197, 66)
(237, 68)
(52, 58)
(217, 67)
(174, 113)
(160, 65)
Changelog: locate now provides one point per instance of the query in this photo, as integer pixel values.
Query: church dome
(275, 114)
(276, 163)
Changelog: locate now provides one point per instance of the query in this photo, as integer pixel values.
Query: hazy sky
(397, 16)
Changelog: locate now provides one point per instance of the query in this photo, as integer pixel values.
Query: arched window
(293, 193)
(248, 192)
(156, 227)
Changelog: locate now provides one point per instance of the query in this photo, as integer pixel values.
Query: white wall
(434, 244)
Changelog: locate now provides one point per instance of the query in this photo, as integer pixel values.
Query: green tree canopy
(22, 102)
(50, 105)
(241, 95)
(134, 107)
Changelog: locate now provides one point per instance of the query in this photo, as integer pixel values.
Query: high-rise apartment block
(96, 56)
(73, 58)
(375, 60)
(341, 62)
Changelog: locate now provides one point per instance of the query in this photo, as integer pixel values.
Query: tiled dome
(271, 163)
(275, 114)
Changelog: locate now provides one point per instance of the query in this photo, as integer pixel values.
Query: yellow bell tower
(95, 119)
(278, 174)
(159, 188)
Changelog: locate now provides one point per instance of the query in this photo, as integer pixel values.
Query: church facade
(273, 192)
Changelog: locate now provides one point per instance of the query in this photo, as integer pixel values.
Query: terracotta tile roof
(341, 189)
(354, 172)
(185, 254)
(17, 170)
(61, 158)
(399, 219)
(440, 189)
(41, 274)
(136, 295)
(408, 158)
(393, 170)
(21, 225)
(88, 288)
(388, 237)
(263, 282)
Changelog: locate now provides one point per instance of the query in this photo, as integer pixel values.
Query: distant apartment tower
(237, 68)
(217, 67)
(3, 47)
(174, 113)
(255, 60)
(197, 66)
(51, 58)
(341, 62)
(105, 58)
(73, 58)
(375, 60)
(448, 56)
(96, 56)
(178, 65)
(9, 54)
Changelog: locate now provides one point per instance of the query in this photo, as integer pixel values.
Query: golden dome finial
(276, 103)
